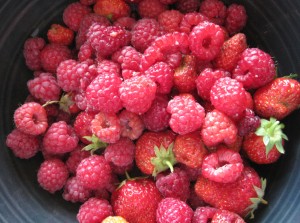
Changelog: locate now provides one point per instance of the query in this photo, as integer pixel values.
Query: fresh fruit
(204, 214)
(31, 52)
(60, 35)
(226, 216)
(150, 8)
(112, 9)
(215, 10)
(114, 219)
(236, 18)
(170, 20)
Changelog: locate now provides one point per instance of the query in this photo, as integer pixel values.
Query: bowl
(273, 26)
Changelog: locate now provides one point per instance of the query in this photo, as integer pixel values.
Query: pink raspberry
(137, 93)
(132, 125)
(226, 216)
(31, 118)
(248, 123)
(74, 13)
(206, 40)
(75, 158)
(173, 210)
(94, 210)
(60, 138)
(85, 52)
(125, 22)
(204, 214)
(174, 59)
(52, 55)
(106, 126)
(186, 6)
(129, 58)
(31, 52)
(52, 175)
(187, 115)
(157, 118)
(215, 10)
(108, 66)
(75, 192)
(190, 20)
(24, 146)
(254, 69)
(206, 80)
(67, 78)
(170, 20)
(44, 87)
(126, 73)
(236, 18)
(93, 172)
(144, 32)
(121, 170)
(150, 8)
(82, 125)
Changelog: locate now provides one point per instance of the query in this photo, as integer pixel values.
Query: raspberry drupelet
(31, 52)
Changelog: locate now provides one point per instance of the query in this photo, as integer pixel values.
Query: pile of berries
(152, 111)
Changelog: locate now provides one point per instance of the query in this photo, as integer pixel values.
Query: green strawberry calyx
(271, 132)
(95, 144)
(164, 159)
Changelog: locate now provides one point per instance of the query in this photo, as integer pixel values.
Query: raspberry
(186, 114)
(175, 184)
(93, 172)
(215, 10)
(223, 166)
(82, 125)
(94, 210)
(85, 52)
(248, 123)
(126, 74)
(75, 158)
(174, 59)
(75, 192)
(24, 146)
(60, 35)
(170, 20)
(106, 126)
(150, 8)
(74, 13)
(226, 216)
(162, 74)
(173, 210)
(218, 128)
(157, 118)
(44, 87)
(60, 138)
(126, 22)
(144, 32)
(108, 66)
(168, 2)
(137, 93)
(206, 40)
(204, 214)
(129, 58)
(31, 118)
(132, 125)
(206, 80)
(254, 69)
(67, 77)
(228, 96)
(88, 2)
(52, 175)
(31, 52)
(52, 55)
(195, 201)
(236, 18)
(121, 170)
(190, 20)
(192, 173)
(187, 6)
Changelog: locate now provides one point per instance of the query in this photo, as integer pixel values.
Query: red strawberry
(136, 201)
(60, 34)
(112, 9)
(266, 144)
(278, 98)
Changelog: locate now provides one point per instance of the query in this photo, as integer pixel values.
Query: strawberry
(136, 200)
(231, 52)
(60, 35)
(241, 196)
(112, 9)
(154, 152)
(266, 144)
(278, 98)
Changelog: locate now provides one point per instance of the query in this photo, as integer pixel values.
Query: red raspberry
(150, 8)
(31, 52)
(121, 170)
(157, 118)
(174, 59)
(60, 138)
(190, 20)
(44, 87)
(125, 22)
(74, 13)
(236, 18)
(175, 184)
(93, 172)
(75, 192)
(206, 40)
(248, 123)
(129, 58)
(173, 210)
(162, 74)
(218, 128)
(75, 158)
(144, 32)
(60, 35)
(106, 126)
(132, 125)
(204, 214)
(24, 146)
(52, 55)
(254, 69)
(108, 66)
(137, 94)
(94, 210)
(170, 20)
(226, 216)
(67, 77)
(82, 125)
(187, 115)
(52, 175)
(126, 74)
(215, 10)
(206, 80)
(31, 118)
(85, 52)
(223, 166)
(88, 2)
(186, 6)
(228, 96)
(168, 2)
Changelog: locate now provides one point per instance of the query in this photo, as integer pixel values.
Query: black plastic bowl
(273, 25)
